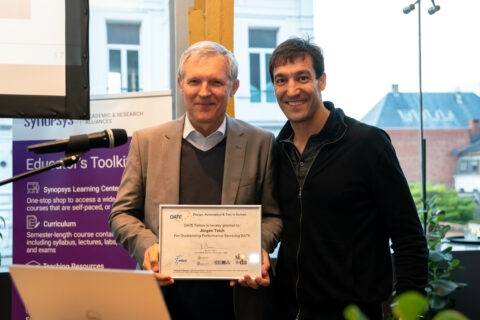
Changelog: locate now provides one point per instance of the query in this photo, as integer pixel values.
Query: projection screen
(44, 59)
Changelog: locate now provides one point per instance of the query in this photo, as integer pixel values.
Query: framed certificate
(210, 241)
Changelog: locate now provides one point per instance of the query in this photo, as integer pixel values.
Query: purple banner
(61, 215)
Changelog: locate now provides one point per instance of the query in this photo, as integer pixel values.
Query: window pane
(115, 61)
(123, 33)
(269, 87)
(262, 38)
(114, 71)
(132, 71)
(474, 166)
(450, 102)
(255, 77)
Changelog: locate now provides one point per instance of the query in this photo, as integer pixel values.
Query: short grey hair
(208, 48)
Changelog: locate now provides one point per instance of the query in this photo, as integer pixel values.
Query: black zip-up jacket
(335, 246)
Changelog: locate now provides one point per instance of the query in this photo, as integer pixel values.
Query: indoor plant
(437, 303)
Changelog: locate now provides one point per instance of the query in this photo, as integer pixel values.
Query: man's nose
(292, 87)
(204, 90)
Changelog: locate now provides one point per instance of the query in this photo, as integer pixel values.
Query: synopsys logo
(34, 123)
(180, 259)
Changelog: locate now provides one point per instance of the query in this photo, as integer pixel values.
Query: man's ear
(180, 85)
(322, 82)
(235, 86)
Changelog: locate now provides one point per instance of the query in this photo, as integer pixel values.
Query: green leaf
(440, 213)
(431, 202)
(455, 262)
(438, 302)
(409, 305)
(444, 287)
(448, 256)
(352, 312)
(450, 315)
(436, 256)
(434, 235)
(447, 250)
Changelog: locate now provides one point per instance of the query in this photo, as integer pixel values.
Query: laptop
(51, 293)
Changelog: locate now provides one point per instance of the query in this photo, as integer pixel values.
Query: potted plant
(437, 303)
(440, 262)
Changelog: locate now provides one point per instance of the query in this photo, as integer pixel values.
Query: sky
(370, 45)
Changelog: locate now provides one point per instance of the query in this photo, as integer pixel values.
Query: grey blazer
(152, 177)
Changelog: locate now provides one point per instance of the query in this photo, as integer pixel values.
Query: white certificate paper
(210, 242)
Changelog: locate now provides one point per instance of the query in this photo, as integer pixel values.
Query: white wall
(468, 183)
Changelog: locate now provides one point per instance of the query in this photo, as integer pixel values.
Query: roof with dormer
(444, 110)
(471, 149)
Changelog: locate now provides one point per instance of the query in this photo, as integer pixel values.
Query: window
(451, 103)
(474, 166)
(259, 27)
(129, 45)
(123, 55)
(260, 45)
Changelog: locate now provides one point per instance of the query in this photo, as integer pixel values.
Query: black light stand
(423, 142)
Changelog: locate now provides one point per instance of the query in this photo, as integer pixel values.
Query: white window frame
(123, 64)
(263, 65)
(263, 69)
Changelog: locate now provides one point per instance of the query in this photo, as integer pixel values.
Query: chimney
(458, 96)
(474, 129)
(395, 89)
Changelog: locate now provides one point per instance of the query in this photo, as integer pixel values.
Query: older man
(205, 157)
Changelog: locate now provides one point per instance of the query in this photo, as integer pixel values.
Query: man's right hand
(150, 262)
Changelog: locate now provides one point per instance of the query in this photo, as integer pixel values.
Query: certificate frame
(210, 241)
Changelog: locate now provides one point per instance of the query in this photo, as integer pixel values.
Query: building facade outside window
(129, 46)
(123, 45)
(259, 26)
(260, 45)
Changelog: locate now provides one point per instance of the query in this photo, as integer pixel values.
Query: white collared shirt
(198, 140)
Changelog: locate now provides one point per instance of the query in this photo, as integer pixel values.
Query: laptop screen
(50, 293)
